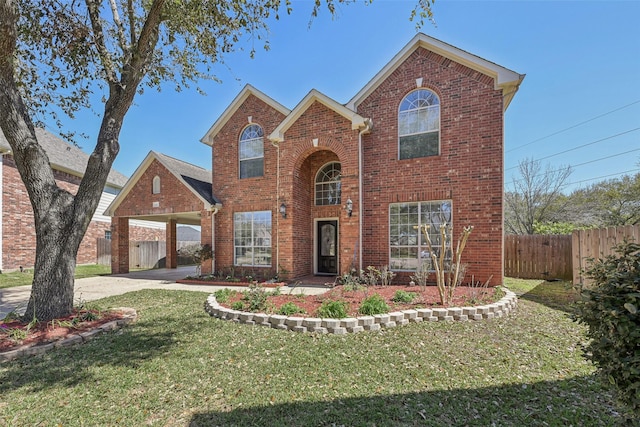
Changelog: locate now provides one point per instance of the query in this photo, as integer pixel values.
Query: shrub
(375, 304)
(403, 297)
(256, 298)
(610, 307)
(289, 308)
(223, 295)
(238, 305)
(333, 309)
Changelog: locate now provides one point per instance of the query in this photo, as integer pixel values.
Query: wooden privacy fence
(597, 244)
(142, 254)
(538, 256)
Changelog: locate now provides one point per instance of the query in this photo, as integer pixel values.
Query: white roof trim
(138, 174)
(235, 104)
(357, 121)
(504, 78)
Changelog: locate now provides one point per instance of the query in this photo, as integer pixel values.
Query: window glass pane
(419, 125)
(251, 168)
(328, 185)
(252, 238)
(420, 145)
(251, 152)
(408, 247)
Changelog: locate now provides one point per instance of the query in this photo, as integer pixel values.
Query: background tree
(536, 197)
(57, 52)
(615, 201)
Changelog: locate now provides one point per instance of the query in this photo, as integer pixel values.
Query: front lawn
(17, 278)
(176, 366)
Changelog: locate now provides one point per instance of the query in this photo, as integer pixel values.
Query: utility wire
(583, 145)
(574, 126)
(599, 177)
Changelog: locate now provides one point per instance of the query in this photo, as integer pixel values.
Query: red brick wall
(468, 171)
(18, 231)
(247, 194)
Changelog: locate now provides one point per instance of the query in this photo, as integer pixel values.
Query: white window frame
(258, 251)
(249, 141)
(428, 112)
(338, 182)
(441, 209)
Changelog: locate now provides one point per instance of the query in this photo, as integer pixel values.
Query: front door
(327, 246)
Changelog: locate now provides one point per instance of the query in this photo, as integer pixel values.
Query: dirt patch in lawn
(14, 333)
(308, 305)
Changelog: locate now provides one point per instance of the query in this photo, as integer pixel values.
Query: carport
(168, 190)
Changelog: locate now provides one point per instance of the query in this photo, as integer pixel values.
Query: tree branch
(93, 8)
(120, 28)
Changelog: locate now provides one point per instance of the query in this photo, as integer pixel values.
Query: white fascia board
(130, 184)
(357, 121)
(504, 79)
(233, 107)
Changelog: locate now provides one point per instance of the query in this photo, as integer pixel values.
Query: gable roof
(194, 178)
(357, 121)
(504, 79)
(235, 104)
(65, 157)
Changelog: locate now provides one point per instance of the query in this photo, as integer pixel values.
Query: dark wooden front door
(327, 232)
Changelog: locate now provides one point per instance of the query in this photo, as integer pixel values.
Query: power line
(583, 145)
(600, 177)
(574, 126)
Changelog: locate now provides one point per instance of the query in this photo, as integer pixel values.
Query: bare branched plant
(447, 276)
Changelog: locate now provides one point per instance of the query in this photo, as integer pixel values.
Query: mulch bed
(45, 332)
(427, 297)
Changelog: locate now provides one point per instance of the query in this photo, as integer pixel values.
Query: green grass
(176, 366)
(16, 278)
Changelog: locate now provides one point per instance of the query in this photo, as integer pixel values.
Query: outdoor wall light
(283, 210)
(349, 207)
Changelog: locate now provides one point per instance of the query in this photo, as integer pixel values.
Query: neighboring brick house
(17, 232)
(328, 187)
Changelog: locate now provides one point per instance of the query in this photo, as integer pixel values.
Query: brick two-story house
(328, 187)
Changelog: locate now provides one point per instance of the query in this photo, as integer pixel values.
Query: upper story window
(251, 152)
(328, 184)
(156, 185)
(419, 125)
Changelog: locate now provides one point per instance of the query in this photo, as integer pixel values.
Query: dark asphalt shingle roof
(198, 178)
(66, 157)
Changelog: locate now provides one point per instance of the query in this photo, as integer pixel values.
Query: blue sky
(581, 60)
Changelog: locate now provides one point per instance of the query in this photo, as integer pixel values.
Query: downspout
(368, 124)
(277, 145)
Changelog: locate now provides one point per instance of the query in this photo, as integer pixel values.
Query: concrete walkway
(93, 288)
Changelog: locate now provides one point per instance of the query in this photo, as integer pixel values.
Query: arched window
(328, 184)
(156, 185)
(419, 125)
(251, 152)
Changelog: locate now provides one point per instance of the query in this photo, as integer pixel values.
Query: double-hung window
(408, 246)
(251, 152)
(419, 125)
(252, 238)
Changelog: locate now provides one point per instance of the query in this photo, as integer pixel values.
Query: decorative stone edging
(365, 323)
(72, 339)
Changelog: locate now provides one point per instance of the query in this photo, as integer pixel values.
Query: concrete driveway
(93, 288)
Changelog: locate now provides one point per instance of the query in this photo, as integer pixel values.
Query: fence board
(538, 256)
(597, 244)
(142, 254)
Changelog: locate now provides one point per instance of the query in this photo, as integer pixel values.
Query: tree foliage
(536, 196)
(57, 52)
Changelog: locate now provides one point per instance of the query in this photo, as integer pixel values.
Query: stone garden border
(365, 323)
(74, 338)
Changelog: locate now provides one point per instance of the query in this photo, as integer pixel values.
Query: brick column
(119, 245)
(171, 237)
